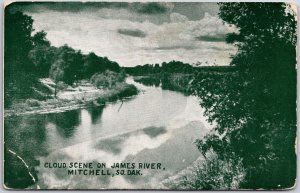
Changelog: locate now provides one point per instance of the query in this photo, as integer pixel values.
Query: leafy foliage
(17, 44)
(255, 107)
(107, 79)
(94, 63)
(29, 56)
(172, 67)
(212, 173)
(42, 57)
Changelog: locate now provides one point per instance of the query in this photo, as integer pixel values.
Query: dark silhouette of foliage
(91, 65)
(40, 39)
(66, 122)
(94, 64)
(255, 107)
(43, 57)
(18, 71)
(174, 67)
(18, 40)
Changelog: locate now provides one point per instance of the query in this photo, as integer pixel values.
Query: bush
(33, 103)
(126, 90)
(210, 174)
(107, 79)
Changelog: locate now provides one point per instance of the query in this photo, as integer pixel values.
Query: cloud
(209, 29)
(211, 38)
(175, 47)
(180, 32)
(176, 17)
(155, 12)
(150, 8)
(65, 6)
(133, 33)
(108, 32)
(143, 8)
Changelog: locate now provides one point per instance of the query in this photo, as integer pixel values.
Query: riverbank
(70, 100)
(165, 121)
(169, 81)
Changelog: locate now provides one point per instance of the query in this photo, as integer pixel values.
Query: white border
(6, 2)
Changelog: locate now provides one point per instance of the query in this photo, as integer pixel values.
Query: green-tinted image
(153, 95)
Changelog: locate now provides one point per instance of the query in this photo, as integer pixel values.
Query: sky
(137, 33)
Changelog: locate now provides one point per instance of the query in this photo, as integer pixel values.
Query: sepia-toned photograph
(149, 95)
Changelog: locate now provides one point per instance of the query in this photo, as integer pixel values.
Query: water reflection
(95, 113)
(24, 138)
(155, 126)
(112, 145)
(154, 131)
(149, 81)
(66, 122)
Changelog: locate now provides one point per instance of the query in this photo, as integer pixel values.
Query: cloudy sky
(137, 33)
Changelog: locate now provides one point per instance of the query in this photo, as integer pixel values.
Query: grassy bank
(91, 97)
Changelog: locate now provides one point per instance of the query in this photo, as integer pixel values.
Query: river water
(155, 126)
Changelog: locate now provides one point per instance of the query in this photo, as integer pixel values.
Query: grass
(118, 91)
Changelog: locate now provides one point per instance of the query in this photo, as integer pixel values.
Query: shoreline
(119, 92)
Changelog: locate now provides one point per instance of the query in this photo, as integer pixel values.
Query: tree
(92, 65)
(17, 36)
(17, 44)
(57, 73)
(40, 39)
(255, 107)
(26, 57)
(42, 57)
(70, 62)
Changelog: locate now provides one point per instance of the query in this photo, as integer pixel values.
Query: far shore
(66, 100)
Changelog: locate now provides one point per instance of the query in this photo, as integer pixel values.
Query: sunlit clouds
(135, 34)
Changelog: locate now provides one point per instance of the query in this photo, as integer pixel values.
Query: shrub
(107, 79)
(33, 103)
(210, 174)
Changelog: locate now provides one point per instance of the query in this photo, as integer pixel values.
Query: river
(155, 126)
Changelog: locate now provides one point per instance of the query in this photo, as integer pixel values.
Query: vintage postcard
(149, 95)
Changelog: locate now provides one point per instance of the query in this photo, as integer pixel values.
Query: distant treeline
(29, 56)
(174, 75)
(174, 67)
